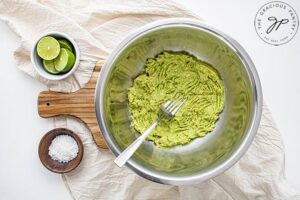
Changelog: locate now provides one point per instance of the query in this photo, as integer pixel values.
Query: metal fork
(167, 111)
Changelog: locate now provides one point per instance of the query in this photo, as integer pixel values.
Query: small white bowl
(37, 61)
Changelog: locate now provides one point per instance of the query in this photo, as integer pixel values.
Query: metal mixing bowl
(205, 157)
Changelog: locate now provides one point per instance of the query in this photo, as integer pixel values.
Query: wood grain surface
(79, 104)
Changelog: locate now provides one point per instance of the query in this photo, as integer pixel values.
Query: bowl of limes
(55, 56)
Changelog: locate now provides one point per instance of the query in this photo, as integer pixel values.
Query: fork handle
(129, 151)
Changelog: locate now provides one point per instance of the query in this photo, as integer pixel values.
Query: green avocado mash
(166, 76)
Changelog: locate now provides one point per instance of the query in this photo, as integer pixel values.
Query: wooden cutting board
(79, 104)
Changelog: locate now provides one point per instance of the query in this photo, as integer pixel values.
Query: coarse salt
(63, 148)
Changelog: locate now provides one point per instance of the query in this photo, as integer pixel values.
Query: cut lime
(65, 44)
(49, 66)
(48, 48)
(65, 60)
(71, 61)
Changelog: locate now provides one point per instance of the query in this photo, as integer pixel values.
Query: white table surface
(22, 176)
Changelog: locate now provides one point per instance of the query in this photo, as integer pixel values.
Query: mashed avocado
(166, 76)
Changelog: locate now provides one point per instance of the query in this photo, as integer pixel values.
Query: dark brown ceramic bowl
(53, 165)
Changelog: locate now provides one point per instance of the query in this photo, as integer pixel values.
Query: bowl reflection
(204, 157)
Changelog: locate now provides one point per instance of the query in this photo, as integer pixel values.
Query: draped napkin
(98, 26)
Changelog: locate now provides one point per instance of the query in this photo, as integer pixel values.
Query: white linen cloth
(98, 26)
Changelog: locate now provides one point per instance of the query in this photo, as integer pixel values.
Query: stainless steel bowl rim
(249, 65)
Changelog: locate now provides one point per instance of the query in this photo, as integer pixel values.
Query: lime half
(65, 44)
(49, 66)
(65, 60)
(48, 48)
